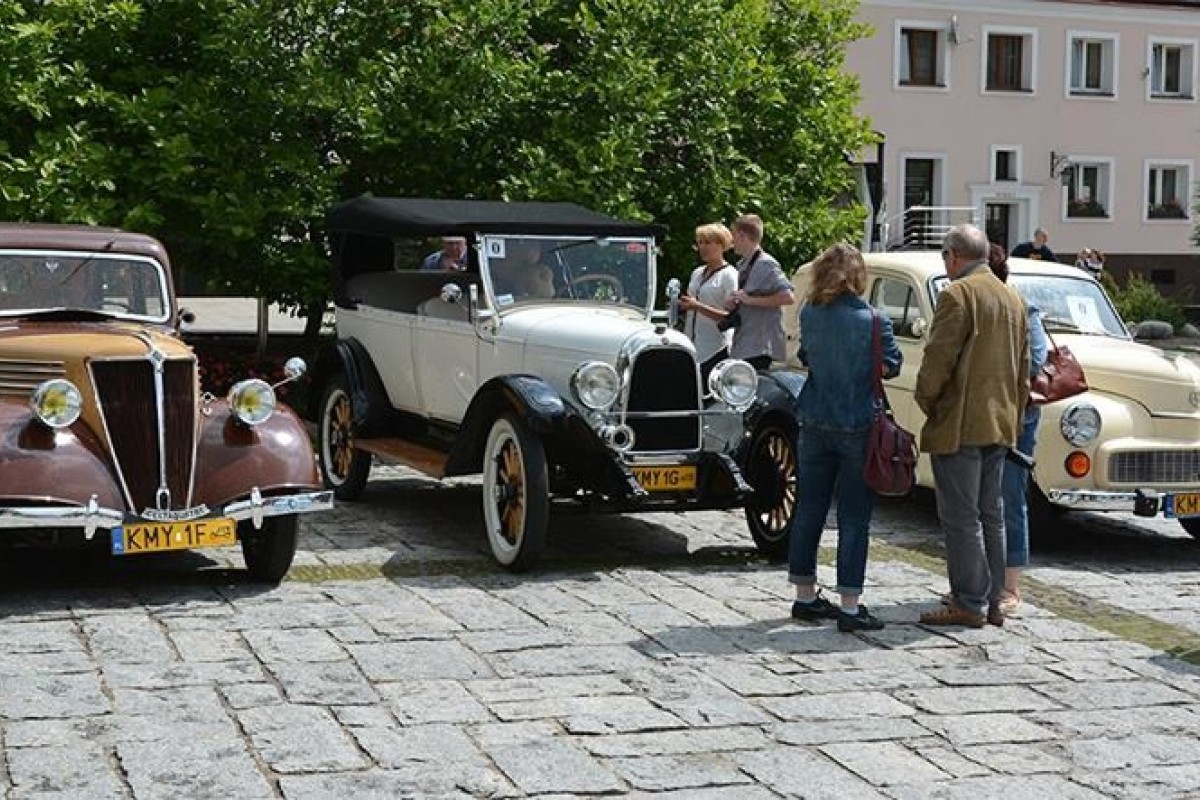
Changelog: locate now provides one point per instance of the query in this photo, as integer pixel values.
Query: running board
(423, 459)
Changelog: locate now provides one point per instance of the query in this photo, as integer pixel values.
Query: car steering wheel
(598, 286)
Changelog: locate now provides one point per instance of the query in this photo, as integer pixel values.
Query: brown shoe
(995, 615)
(953, 615)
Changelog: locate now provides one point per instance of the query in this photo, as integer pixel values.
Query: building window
(1004, 164)
(1168, 189)
(1089, 189)
(1171, 71)
(920, 57)
(1004, 63)
(1092, 69)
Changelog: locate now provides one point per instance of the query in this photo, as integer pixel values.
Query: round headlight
(57, 403)
(252, 401)
(596, 384)
(735, 382)
(1080, 424)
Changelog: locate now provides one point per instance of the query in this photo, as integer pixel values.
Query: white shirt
(712, 292)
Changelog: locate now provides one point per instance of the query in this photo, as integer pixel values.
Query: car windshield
(121, 286)
(538, 269)
(1067, 304)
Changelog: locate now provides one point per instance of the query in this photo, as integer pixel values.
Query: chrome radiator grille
(20, 378)
(664, 379)
(1155, 467)
(125, 390)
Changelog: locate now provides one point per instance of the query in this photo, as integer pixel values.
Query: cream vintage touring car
(1130, 443)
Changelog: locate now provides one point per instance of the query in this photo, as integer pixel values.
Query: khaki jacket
(974, 378)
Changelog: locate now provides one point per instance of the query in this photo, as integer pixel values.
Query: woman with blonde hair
(709, 289)
(835, 409)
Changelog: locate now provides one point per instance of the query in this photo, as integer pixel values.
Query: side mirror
(451, 293)
(918, 327)
(293, 368)
(185, 316)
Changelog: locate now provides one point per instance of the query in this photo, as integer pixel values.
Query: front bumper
(91, 517)
(1142, 502)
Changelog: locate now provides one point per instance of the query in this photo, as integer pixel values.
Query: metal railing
(924, 227)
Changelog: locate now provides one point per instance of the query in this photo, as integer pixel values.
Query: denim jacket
(835, 345)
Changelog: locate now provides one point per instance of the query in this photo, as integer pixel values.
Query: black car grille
(664, 379)
(125, 390)
(1155, 467)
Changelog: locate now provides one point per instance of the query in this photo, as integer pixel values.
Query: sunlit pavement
(647, 656)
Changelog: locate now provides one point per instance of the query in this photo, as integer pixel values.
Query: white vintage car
(1130, 443)
(538, 365)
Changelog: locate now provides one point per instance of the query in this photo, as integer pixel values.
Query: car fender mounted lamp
(1078, 464)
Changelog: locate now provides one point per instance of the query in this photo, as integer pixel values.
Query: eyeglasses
(945, 252)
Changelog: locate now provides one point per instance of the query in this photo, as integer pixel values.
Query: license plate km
(156, 537)
(666, 479)
(1184, 505)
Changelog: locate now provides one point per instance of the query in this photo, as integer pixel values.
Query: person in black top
(1038, 250)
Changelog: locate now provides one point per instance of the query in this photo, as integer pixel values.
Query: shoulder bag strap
(744, 277)
(877, 356)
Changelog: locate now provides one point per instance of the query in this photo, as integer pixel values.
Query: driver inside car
(521, 273)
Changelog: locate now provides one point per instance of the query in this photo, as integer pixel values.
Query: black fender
(368, 399)
(775, 403)
(535, 402)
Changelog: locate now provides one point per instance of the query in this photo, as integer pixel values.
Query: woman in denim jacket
(835, 410)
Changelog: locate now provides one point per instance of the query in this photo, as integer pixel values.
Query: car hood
(1161, 381)
(37, 341)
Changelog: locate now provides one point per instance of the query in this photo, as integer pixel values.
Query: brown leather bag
(891, 466)
(1060, 377)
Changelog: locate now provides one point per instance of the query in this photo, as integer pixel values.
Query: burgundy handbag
(891, 467)
(1060, 377)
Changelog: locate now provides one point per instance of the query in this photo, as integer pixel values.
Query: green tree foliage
(227, 127)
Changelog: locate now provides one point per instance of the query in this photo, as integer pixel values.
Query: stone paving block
(847, 730)
(51, 636)
(166, 676)
(995, 675)
(862, 658)
(976, 699)
(731, 587)
(839, 706)
(1155, 781)
(1057, 629)
(417, 660)
(748, 678)
(699, 640)
(572, 660)
(61, 771)
(329, 683)
(799, 772)
(383, 784)
(296, 739)
(592, 715)
(251, 695)
(1087, 671)
(70, 695)
(188, 704)
(1113, 694)
(507, 690)
(667, 773)
(473, 608)
(129, 638)
(696, 700)
(1009, 787)
(1019, 759)
(1101, 723)
(420, 702)
(594, 627)
(354, 634)
(538, 598)
(196, 768)
(372, 716)
(294, 645)
(62, 662)
(950, 761)
(1096, 650)
(435, 745)
(678, 742)
(699, 605)
(883, 763)
(968, 729)
(604, 591)
(1138, 750)
(484, 642)
(195, 645)
(320, 614)
(880, 680)
(654, 617)
(553, 765)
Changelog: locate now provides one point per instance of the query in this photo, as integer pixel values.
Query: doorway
(998, 218)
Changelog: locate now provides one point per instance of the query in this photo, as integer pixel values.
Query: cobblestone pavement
(648, 656)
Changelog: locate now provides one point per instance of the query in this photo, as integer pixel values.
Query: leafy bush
(1140, 300)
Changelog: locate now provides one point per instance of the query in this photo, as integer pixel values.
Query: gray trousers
(969, 492)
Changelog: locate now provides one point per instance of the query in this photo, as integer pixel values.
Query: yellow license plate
(156, 537)
(666, 479)
(1184, 505)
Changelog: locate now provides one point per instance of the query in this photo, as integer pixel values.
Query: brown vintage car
(103, 427)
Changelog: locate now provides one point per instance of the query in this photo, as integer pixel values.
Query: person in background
(452, 256)
(973, 386)
(835, 409)
(1038, 249)
(709, 289)
(763, 290)
(1015, 482)
(1091, 261)
(521, 275)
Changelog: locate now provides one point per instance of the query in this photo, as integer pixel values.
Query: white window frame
(1187, 70)
(1188, 188)
(942, 74)
(939, 183)
(1029, 60)
(1015, 149)
(1110, 164)
(1112, 69)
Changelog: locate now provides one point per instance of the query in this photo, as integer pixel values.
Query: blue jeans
(1016, 502)
(831, 462)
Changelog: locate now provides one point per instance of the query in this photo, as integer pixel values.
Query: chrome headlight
(252, 401)
(57, 403)
(735, 382)
(596, 384)
(1080, 424)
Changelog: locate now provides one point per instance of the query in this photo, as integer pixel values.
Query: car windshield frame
(1087, 312)
(577, 265)
(76, 281)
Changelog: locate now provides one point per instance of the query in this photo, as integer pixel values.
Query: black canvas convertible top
(407, 216)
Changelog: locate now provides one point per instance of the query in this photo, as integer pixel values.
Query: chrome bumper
(1091, 500)
(92, 517)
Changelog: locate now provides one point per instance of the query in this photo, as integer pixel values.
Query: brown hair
(839, 270)
(751, 225)
(998, 261)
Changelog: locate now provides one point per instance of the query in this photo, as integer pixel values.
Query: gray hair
(967, 241)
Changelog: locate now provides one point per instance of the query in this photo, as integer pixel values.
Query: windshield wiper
(1059, 322)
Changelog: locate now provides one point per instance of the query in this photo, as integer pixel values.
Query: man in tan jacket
(973, 385)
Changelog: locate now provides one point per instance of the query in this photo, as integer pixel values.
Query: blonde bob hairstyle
(839, 270)
(715, 232)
